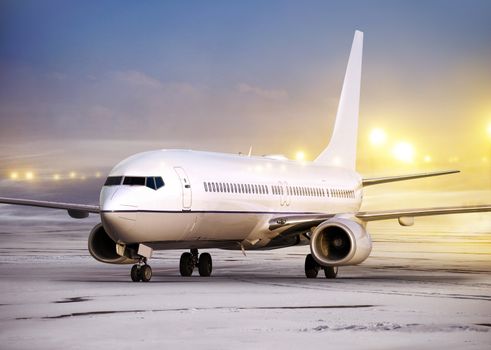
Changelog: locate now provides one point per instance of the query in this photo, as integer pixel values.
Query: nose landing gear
(193, 259)
(141, 271)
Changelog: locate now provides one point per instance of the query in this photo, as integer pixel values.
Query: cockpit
(153, 182)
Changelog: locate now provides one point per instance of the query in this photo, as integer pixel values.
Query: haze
(83, 85)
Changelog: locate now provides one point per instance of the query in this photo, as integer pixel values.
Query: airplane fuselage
(217, 200)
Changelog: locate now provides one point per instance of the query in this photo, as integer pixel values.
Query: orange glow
(14, 175)
(29, 175)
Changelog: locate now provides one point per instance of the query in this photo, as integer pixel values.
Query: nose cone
(118, 213)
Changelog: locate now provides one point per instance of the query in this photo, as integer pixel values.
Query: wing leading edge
(77, 211)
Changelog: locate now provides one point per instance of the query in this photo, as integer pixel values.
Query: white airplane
(182, 199)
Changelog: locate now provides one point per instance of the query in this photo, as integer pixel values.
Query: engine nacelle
(103, 248)
(340, 241)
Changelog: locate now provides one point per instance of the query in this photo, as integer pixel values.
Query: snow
(420, 289)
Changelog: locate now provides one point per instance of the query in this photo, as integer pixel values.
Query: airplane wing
(411, 213)
(76, 211)
(405, 216)
(382, 180)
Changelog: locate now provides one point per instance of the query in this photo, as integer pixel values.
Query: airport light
(404, 152)
(14, 175)
(29, 175)
(72, 174)
(56, 177)
(378, 137)
(489, 129)
(427, 158)
(300, 155)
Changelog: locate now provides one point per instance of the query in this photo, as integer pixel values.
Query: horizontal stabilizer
(382, 180)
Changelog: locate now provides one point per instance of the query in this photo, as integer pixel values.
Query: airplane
(191, 200)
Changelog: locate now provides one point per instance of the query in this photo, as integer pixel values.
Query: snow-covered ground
(423, 288)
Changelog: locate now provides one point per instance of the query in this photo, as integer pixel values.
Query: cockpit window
(113, 181)
(159, 183)
(151, 183)
(134, 181)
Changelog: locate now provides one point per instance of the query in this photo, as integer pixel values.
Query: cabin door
(187, 197)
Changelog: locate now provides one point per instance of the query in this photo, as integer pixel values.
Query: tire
(146, 273)
(311, 267)
(205, 265)
(186, 264)
(135, 273)
(331, 271)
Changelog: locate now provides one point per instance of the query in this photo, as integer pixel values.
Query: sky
(84, 84)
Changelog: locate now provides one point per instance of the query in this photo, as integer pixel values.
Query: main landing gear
(141, 271)
(192, 259)
(312, 268)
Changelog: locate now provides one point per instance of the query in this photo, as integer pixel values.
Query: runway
(55, 296)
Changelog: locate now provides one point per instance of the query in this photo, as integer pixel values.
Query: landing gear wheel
(186, 264)
(145, 273)
(311, 267)
(205, 265)
(135, 273)
(331, 271)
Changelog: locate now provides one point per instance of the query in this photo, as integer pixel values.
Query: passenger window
(205, 186)
(159, 182)
(150, 183)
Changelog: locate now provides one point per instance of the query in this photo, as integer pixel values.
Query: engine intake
(340, 241)
(103, 248)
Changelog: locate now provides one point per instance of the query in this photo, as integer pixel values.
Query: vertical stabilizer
(341, 151)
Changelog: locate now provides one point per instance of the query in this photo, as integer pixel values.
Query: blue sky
(111, 78)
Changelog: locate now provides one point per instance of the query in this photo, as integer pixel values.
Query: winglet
(341, 151)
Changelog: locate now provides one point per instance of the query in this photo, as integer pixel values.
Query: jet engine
(103, 248)
(340, 241)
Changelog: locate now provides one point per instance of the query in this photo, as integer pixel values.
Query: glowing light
(378, 137)
(72, 175)
(56, 177)
(29, 175)
(98, 174)
(300, 155)
(14, 175)
(453, 159)
(489, 129)
(427, 159)
(404, 152)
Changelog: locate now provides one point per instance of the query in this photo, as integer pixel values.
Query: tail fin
(341, 151)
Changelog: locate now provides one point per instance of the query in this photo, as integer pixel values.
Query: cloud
(270, 94)
(137, 78)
